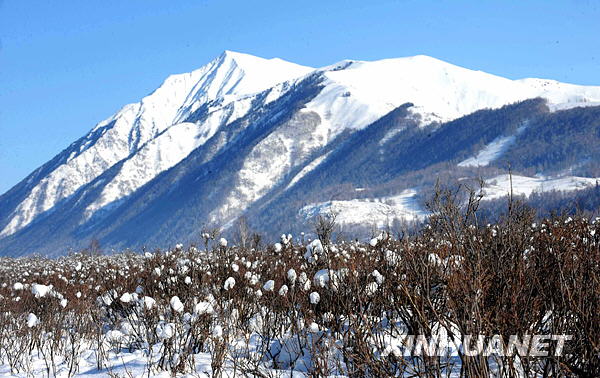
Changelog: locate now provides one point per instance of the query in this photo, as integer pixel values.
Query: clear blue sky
(66, 65)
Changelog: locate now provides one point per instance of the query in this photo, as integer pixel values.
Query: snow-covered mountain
(232, 137)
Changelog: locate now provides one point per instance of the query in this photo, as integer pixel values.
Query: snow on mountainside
(492, 151)
(500, 186)
(379, 212)
(147, 138)
(269, 161)
(357, 93)
(489, 153)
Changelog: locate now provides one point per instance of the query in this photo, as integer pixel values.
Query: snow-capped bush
(291, 275)
(126, 298)
(32, 320)
(40, 291)
(314, 297)
(262, 309)
(313, 251)
(217, 332)
(165, 331)
(434, 259)
(149, 303)
(371, 288)
(378, 277)
(283, 290)
(269, 285)
(203, 308)
(321, 278)
(229, 283)
(176, 304)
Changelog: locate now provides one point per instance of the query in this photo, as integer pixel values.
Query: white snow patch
(309, 167)
(32, 320)
(499, 186)
(492, 151)
(40, 291)
(571, 105)
(379, 212)
(389, 135)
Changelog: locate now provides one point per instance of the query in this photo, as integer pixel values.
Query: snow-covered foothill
(501, 185)
(376, 211)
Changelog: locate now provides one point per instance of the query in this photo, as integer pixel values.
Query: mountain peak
(237, 54)
(244, 60)
(241, 74)
(238, 57)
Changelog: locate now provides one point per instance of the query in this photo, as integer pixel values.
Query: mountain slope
(366, 172)
(220, 88)
(242, 135)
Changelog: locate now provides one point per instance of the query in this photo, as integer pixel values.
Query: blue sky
(66, 65)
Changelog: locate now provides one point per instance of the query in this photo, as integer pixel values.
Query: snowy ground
(499, 186)
(121, 364)
(127, 364)
(380, 212)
